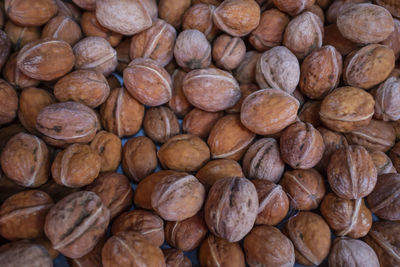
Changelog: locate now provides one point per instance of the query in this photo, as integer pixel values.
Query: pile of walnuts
(274, 122)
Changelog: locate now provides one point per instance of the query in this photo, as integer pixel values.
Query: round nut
(8, 102)
(19, 36)
(24, 253)
(200, 17)
(199, 122)
(333, 37)
(26, 13)
(216, 251)
(228, 51)
(109, 147)
(386, 98)
(62, 28)
(15, 76)
(91, 27)
(172, 11)
(160, 124)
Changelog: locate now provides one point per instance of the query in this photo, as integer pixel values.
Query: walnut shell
(62, 28)
(228, 51)
(172, 11)
(176, 258)
(85, 4)
(393, 41)
(395, 156)
(386, 98)
(28, 14)
(333, 37)
(160, 124)
(199, 122)
(19, 36)
(382, 162)
(109, 147)
(246, 71)
(178, 102)
(24, 253)
(215, 251)
(309, 113)
(333, 141)
(8, 102)
(293, 7)
(91, 27)
(5, 48)
(391, 5)
(200, 17)
(15, 76)
(92, 259)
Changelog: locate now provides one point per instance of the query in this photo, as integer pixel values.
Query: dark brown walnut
(268, 111)
(303, 34)
(22, 215)
(85, 4)
(229, 138)
(20, 35)
(24, 253)
(293, 7)
(339, 112)
(237, 17)
(114, 190)
(88, 87)
(218, 169)
(186, 235)
(184, 152)
(215, 251)
(92, 259)
(263, 161)
(109, 147)
(176, 258)
(143, 222)
(157, 43)
(91, 27)
(377, 135)
(26, 13)
(234, 202)
(172, 11)
(395, 156)
(393, 41)
(301, 145)
(76, 223)
(31, 101)
(267, 246)
(192, 50)
(15, 76)
(122, 114)
(311, 238)
(352, 252)
(382, 162)
(76, 166)
(95, 53)
(142, 12)
(178, 102)
(386, 98)
(123, 54)
(309, 112)
(199, 122)
(160, 124)
(246, 71)
(384, 201)
(8, 102)
(131, 249)
(145, 188)
(200, 17)
(68, 122)
(365, 23)
(228, 51)
(56, 191)
(46, 59)
(68, 9)
(139, 158)
(306, 188)
(148, 82)
(320, 72)
(346, 217)
(5, 45)
(273, 202)
(177, 197)
(25, 160)
(269, 32)
(368, 66)
(63, 28)
(245, 91)
(333, 37)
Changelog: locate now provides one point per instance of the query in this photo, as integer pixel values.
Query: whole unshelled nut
(245, 91)
(382, 162)
(246, 71)
(172, 11)
(109, 147)
(91, 27)
(215, 251)
(178, 102)
(5, 45)
(160, 124)
(93, 258)
(293, 7)
(393, 41)
(23, 253)
(26, 14)
(228, 51)
(333, 37)
(387, 97)
(19, 35)
(395, 156)
(15, 76)
(8, 102)
(200, 17)
(176, 258)
(62, 28)
(199, 122)
(392, 6)
(25, 160)
(76, 223)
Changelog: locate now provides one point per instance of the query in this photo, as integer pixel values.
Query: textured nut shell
(278, 68)
(382, 162)
(228, 51)
(368, 66)
(309, 113)
(76, 223)
(352, 252)
(237, 17)
(245, 91)
(178, 102)
(311, 237)
(391, 5)
(267, 246)
(19, 36)
(91, 27)
(393, 41)
(178, 197)
(172, 11)
(143, 222)
(176, 258)
(157, 43)
(346, 217)
(25, 160)
(114, 190)
(131, 249)
(15, 76)
(395, 156)
(216, 252)
(293, 7)
(139, 158)
(85, 4)
(160, 124)
(89, 87)
(46, 59)
(122, 114)
(68, 9)
(109, 147)
(351, 172)
(384, 201)
(211, 89)
(200, 17)
(62, 28)
(268, 111)
(263, 161)
(365, 23)
(246, 71)
(125, 16)
(28, 14)
(199, 122)
(8, 102)
(148, 82)
(22, 215)
(229, 138)
(186, 235)
(341, 113)
(123, 55)
(69, 122)
(333, 37)
(387, 97)
(231, 208)
(92, 259)
(24, 253)
(274, 203)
